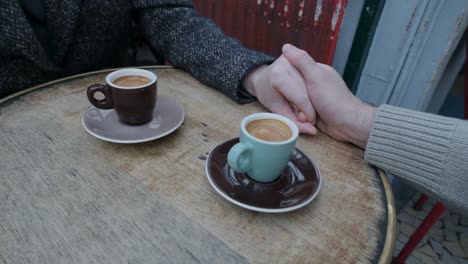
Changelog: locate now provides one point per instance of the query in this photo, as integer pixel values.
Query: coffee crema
(269, 130)
(131, 81)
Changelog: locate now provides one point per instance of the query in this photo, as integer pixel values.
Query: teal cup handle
(240, 157)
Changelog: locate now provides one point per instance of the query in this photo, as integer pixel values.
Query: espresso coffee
(132, 93)
(131, 81)
(269, 130)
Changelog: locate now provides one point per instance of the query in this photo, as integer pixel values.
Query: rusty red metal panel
(265, 25)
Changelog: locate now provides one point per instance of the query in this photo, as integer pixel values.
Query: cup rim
(258, 116)
(130, 71)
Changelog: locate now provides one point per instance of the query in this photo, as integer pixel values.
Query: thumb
(302, 61)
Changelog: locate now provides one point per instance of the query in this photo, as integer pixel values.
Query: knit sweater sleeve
(197, 45)
(428, 151)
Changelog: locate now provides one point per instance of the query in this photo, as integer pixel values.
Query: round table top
(67, 196)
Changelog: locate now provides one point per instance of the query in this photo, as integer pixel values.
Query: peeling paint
(462, 20)
(318, 10)
(285, 13)
(300, 14)
(279, 21)
(411, 19)
(336, 15)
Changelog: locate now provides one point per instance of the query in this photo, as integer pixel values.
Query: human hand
(281, 88)
(341, 115)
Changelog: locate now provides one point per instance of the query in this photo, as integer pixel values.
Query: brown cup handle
(105, 103)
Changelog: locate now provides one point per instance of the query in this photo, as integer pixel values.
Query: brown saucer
(297, 185)
(105, 124)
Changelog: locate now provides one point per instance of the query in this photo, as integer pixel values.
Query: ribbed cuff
(454, 181)
(423, 149)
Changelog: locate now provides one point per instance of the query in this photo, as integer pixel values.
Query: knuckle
(280, 85)
(275, 71)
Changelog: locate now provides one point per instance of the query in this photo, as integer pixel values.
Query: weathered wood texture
(66, 196)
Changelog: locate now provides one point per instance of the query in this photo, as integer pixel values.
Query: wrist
(250, 81)
(358, 129)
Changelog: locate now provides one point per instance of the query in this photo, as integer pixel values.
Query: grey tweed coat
(88, 35)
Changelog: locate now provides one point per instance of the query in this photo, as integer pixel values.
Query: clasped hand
(311, 94)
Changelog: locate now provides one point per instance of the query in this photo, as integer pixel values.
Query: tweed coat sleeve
(196, 44)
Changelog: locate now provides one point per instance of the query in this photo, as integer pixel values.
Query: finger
(291, 71)
(309, 111)
(321, 125)
(297, 97)
(302, 117)
(299, 115)
(296, 110)
(307, 128)
(302, 123)
(302, 61)
(307, 108)
(284, 109)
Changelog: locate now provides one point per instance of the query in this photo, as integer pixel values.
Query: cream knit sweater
(428, 151)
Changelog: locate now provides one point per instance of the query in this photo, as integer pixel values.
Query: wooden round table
(66, 196)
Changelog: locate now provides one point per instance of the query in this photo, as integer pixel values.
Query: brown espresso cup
(132, 93)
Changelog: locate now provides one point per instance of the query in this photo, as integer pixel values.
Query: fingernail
(287, 48)
(302, 117)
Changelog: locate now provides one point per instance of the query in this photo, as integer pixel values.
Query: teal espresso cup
(267, 142)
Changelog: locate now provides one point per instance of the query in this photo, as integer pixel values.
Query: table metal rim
(389, 245)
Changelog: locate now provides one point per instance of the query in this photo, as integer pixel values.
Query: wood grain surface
(65, 195)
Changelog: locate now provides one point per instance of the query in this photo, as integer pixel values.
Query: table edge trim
(389, 245)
